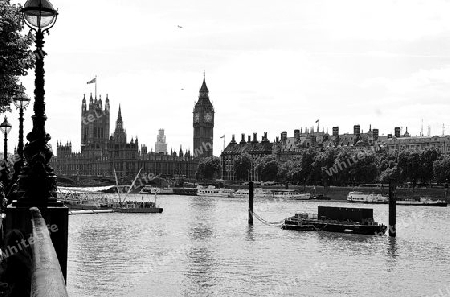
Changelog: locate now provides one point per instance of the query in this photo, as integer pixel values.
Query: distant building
(440, 143)
(203, 123)
(254, 148)
(286, 148)
(160, 144)
(103, 154)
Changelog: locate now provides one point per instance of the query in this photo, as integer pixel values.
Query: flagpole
(95, 86)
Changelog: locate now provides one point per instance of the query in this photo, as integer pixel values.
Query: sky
(269, 66)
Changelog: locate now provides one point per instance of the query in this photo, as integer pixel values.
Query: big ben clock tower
(203, 122)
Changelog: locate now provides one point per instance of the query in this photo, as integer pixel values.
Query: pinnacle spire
(119, 116)
(204, 88)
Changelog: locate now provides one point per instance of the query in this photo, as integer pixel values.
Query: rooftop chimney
(242, 138)
(233, 141)
(356, 130)
(397, 131)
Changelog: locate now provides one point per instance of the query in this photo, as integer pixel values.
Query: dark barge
(336, 219)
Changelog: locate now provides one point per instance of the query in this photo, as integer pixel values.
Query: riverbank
(340, 193)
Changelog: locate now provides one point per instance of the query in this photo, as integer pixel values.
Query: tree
(441, 169)
(343, 164)
(15, 54)
(209, 168)
(409, 165)
(388, 174)
(288, 171)
(267, 167)
(307, 160)
(323, 162)
(427, 158)
(365, 169)
(242, 166)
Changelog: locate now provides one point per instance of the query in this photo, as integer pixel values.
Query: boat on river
(212, 191)
(137, 207)
(290, 194)
(356, 196)
(82, 200)
(421, 202)
(336, 219)
(257, 193)
(156, 190)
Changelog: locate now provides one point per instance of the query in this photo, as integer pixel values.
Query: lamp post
(21, 102)
(37, 182)
(5, 127)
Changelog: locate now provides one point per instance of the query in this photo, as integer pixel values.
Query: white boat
(421, 202)
(155, 190)
(356, 196)
(211, 191)
(291, 194)
(257, 193)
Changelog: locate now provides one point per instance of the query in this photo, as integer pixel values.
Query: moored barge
(336, 219)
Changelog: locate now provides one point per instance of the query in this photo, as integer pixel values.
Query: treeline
(339, 167)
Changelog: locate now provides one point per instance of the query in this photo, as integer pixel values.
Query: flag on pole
(223, 136)
(317, 121)
(92, 80)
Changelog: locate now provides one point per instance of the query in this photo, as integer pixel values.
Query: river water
(204, 247)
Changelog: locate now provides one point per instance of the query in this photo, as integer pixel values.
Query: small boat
(336, 219)
(291, 194)
(361, 197)
(81, 200)
(155, 190)
(185, 191)
(127, 206)
(320, 197)
(257, 193)
(421, 202)
(137, 207)
(211, 191)
(84, 205)
(92, 211)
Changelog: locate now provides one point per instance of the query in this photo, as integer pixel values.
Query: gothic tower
(94, 123)
(120, 135)
(203, 122)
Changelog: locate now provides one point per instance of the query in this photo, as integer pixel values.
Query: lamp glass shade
(5, 127)
(21, 101)
(39, 14)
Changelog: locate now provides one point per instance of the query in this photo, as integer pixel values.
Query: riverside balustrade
(47, 277)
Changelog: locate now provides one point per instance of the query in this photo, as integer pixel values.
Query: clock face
(196, 117)
(208, 117)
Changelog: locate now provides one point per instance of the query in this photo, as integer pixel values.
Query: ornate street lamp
(37, 182)
(21, 102)
(5, 127)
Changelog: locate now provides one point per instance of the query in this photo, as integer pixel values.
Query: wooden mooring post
(392, 209)
(250, 203)
(446, 193)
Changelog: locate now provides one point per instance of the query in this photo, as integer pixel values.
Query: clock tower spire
(203, 123)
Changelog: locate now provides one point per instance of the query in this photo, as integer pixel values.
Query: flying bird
(180, 27)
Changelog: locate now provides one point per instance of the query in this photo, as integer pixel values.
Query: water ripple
(204, 247)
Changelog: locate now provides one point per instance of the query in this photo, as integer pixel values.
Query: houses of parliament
(103, 154)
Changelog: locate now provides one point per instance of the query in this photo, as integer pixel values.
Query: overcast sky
(270, 66)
